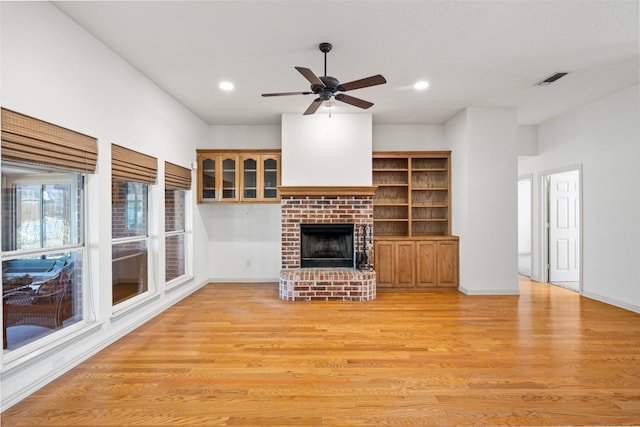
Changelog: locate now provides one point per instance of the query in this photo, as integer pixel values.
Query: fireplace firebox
(326, 245)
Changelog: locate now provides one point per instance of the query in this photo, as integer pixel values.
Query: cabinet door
(249, 178)
(383, 263)
(208, 178)
(229, 168)
(447, 263)
(270, 171)
(426, 264)
(404, 263)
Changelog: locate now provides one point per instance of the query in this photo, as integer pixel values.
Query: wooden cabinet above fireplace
(249, 176)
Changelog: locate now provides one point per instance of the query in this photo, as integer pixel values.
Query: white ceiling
(473, 53)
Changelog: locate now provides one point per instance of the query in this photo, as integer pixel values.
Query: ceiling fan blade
(359, 84)
(356, 102)
(313, 107)
(287, 93)
(309, 75)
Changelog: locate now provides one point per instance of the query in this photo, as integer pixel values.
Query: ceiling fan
(327, 87)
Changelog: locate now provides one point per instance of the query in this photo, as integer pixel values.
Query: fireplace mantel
(329, 191)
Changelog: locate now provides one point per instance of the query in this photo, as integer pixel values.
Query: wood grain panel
(426, 263)
(447, 262)
(234, 354)
(383, 263)
(404, 260)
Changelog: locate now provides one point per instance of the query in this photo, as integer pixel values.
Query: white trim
(244, 280)
(612, 301)
(489, 291)
(39, 349)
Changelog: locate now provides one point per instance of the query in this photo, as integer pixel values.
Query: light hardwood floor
(234, 354)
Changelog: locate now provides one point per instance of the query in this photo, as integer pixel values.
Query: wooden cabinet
(447, 263)
(416, 263)
(413, 197)
(250, 176)
(229, 181)
(384, 262)
(270, 173)
(425, 258)
(413, 246)
(404, 260)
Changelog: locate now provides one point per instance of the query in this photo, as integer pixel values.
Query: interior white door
(564, 227)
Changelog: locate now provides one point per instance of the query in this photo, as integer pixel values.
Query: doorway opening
(562, 216)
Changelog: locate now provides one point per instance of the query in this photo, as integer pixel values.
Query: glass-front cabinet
(229, 180)
(250, 174)
(238, 176)
(270, 177)
(208, 179)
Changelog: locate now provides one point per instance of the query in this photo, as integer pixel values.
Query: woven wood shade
(27, 140)
(176, 177)
(129, 165)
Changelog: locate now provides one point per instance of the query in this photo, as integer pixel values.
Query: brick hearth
(330, 205)
(327, 284)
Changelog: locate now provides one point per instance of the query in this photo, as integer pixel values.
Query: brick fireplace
(325, 205)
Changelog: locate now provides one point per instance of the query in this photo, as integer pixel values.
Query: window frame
(145, 238)
(43, 176)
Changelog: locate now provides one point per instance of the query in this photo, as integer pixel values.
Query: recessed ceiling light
(421, 85)
(226, 86)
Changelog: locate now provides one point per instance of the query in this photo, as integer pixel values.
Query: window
(177, 182)
(43, 248)
(42, 252)
(174, 203)
(131, 173)
(129, 212)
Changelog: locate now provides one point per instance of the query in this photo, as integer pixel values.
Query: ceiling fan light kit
(327, 87)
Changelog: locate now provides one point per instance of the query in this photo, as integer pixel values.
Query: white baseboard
(488, 291)
(243, 280)
(631, 307)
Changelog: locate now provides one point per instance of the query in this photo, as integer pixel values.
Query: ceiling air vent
(552, 78)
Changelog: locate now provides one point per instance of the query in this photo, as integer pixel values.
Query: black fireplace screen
(326, 245)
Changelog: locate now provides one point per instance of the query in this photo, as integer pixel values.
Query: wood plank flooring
(234, 354)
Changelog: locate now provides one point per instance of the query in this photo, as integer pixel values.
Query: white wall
(55, 71)
(409, 138)
(603, 137)
(243, 239)
(527, 140)
(524, 216)
(243, 137)
(323, 150)
(484, 199)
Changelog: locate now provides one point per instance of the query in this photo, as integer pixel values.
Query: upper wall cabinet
(413, 195)
(238, 176)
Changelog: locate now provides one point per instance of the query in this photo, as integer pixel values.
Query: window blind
(130, 165)
(27, 140)
(177, 177)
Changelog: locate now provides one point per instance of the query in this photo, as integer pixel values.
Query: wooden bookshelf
(413, 246)
(413, 197)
